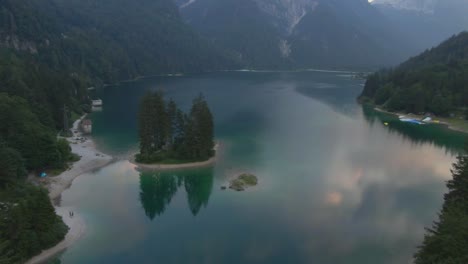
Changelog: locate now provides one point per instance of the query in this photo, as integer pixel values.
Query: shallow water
(336, 185)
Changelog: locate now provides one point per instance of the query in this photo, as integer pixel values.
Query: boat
(427, 120)
(412, 121)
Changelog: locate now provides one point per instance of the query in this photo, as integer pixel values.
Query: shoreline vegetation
(77, 229)
(455, 124)
(90, 159)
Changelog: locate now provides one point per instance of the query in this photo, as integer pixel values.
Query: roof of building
(87, 122)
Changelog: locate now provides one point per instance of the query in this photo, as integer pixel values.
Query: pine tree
(447, 240)
(172, 115)
(160, 119)
(458, 185)
(146, 126)
(202, 126)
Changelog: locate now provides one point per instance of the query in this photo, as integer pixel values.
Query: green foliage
(435, 81)
(29, 223)
(166, 133)
(243, 181)
(447, 240)
(21, 130)
(11, 166)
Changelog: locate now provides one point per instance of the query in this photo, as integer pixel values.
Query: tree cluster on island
(168, 135)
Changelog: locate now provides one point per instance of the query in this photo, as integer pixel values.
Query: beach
(77, 230)
(90, 159)
(190, 165)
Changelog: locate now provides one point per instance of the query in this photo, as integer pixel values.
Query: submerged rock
(243, 181)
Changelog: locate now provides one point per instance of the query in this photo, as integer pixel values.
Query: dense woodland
(447, 240)
(435, 81)
(167, 135)
(29, 223)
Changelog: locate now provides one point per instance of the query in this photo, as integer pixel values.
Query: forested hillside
(51, 51)
(107, 40)
(436, 81)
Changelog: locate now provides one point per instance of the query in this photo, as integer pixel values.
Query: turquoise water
(335, 184)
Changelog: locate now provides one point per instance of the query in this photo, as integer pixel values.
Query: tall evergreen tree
(146, 126)
(202, 128)
(447, 240)
(172, 115)
(160, 121)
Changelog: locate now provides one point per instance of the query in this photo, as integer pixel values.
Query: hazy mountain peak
(288, 13)
(424, 6)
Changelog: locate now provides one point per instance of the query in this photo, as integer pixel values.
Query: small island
(170, 138)
(242, 182)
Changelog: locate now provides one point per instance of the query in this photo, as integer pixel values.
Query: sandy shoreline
(77, 230)
(191, 165)
(90, 160)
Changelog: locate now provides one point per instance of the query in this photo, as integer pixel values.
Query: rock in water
(243, 181)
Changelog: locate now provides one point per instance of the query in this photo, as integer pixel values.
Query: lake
(335, 184)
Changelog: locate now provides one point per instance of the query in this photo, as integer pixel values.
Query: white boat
(427, 119)
(411, 120)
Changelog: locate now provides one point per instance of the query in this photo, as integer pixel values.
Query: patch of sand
(90, 160)
(190, 165)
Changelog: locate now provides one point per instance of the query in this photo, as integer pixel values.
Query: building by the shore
(87, 126)
(96, 103)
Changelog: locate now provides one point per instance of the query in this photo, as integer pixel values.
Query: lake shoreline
(181, 166)
(77, 228)
(90, 159)
(443, 121)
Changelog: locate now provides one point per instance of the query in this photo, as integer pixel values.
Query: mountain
(346, 34)
(422, 6)
(238, 26)
(425, 23)
(298, 33)
(108, 40)
(325, 33)
(434, 81)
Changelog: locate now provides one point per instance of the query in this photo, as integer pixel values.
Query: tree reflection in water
(158, 188)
